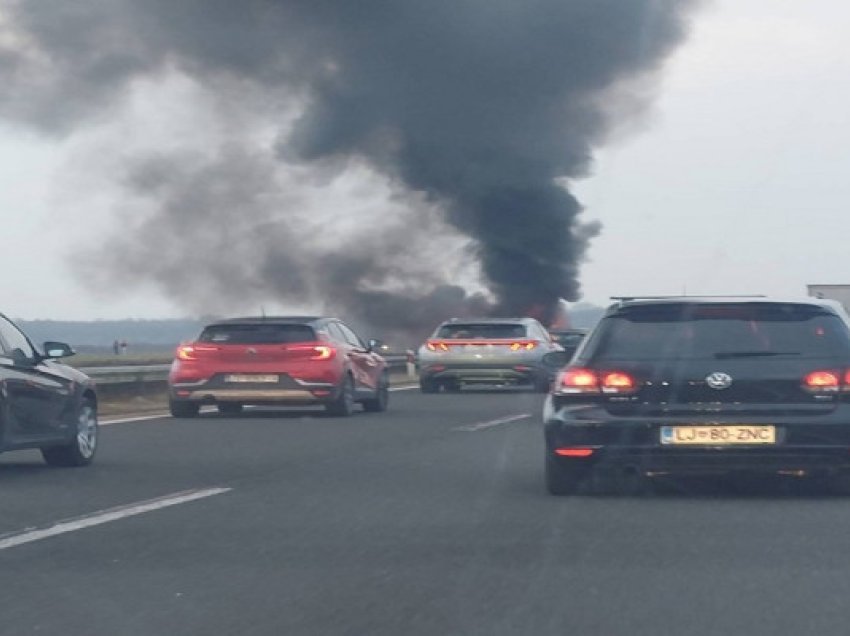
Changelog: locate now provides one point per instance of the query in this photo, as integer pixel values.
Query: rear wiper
(725, 355)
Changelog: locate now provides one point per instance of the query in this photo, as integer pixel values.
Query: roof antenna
(263, 312)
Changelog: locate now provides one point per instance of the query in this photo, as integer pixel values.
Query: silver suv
(488, 351)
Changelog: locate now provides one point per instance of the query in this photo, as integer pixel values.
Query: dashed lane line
(480, 426)
(106, 516)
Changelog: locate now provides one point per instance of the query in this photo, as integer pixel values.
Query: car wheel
(379, 403)
(229, 408)
(183, 409)
(560, 478)
(427, 386)
(343, 406)
(82, 449)
(451, 386)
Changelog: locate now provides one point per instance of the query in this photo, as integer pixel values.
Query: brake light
(617, 382)
(323, 352)
(579, 381)
(526, 345)
(824, 381)
(574, 452)
(312, 352)
(186, 352)
(435, 345)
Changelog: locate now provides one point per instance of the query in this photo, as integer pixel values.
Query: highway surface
(428, 519)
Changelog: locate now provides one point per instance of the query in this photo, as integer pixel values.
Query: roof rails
(627, 298)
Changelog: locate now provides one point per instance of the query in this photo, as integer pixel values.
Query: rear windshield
(257, 334)
(456, 331)
(568, 339)
(720, 331)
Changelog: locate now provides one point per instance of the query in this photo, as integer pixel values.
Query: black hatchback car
(703, 385)
(45, 404)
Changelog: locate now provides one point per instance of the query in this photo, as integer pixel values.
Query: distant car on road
(45, 404)
(487, 351)
(300, 360)
(703, 386)
(569, 339)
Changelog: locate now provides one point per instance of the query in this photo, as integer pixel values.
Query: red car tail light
(574, 452)
(323, 352)
(577, 380)
(311, 351)
(823, 381)
(186, 352)
(617, 382)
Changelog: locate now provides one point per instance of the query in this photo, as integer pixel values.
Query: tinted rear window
(568, 339)
(257, 334)
(481, 330)
(720, 331)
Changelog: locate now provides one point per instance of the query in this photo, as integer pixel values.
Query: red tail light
(524, 345)
(186, 352)
(574, 452)
(824, 381)
(436, 345)
(578, 380)
(311, 351)
(617, 382)
(323, 352)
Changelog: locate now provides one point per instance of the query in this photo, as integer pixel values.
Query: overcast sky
(736, 181)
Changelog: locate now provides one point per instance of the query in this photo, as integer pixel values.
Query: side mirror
(57, 350)
(557, 359)
(374, 344)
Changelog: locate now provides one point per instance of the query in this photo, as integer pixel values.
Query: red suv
(287, 361)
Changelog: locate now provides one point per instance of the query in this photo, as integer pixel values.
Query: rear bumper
(802, 444)
(716, 460)
(287, 391)
(503, 374)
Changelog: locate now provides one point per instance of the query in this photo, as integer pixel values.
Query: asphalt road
(428, 519)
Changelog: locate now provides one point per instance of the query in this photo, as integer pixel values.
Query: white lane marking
(478, 426)
(106, 516)
(207, 409)
(142, 418)
(404, 388)
(138, 418)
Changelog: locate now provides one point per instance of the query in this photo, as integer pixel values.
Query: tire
(229, 408)
(560, 479)
(82, 449)
(451, 386)
(427, 386)
(183, 409)
(379, 403)
(343, 405)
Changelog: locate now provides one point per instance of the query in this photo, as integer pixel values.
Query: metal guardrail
(142, 373)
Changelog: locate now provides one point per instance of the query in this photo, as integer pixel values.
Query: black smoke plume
(477, 111)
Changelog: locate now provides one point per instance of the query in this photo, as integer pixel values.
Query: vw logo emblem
(718, 380)
(251, 351)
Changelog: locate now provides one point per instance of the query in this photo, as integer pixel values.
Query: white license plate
(259, 379)
(719, 435)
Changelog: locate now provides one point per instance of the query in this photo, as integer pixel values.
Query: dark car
(699, 385)
(569, 339)
(45, 404)
(296, 361)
